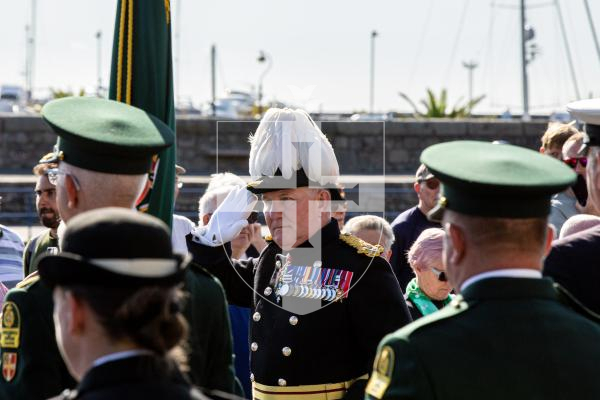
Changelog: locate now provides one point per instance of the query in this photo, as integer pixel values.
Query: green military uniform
(504, 337)
(35, 248)
(210, 351)
(29, 351)
(94, 134)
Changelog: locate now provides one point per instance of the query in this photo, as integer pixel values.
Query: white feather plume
(290, 140)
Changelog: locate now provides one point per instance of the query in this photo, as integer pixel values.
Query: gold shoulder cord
(362, 247)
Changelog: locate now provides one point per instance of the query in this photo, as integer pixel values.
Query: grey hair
(210, 200)
(374, 223)
(224, 179)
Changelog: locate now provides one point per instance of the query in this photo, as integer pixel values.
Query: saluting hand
(228, 219)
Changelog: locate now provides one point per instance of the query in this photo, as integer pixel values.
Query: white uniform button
(293, 320)
(254, 346)
(268, 291)
(256, 316)
(286, 351)
(282, 382)
(251, 377)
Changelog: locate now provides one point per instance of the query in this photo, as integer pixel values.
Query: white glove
(228, 220)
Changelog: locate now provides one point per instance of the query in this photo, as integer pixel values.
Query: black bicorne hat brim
(266, 184)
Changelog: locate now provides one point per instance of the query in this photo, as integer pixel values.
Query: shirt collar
(503, 273)
(119, 356)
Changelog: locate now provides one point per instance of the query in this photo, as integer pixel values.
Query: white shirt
(503, 273)
(119, 356)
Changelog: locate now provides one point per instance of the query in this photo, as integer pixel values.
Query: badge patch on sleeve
(11, 326)
(382, 373)
(9, 365)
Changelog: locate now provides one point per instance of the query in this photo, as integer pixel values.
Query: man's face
(292, 215)
(428, 191)
(45, 203)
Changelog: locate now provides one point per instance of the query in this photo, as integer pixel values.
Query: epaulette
(362, 247)
(456, 306)
(29, 280)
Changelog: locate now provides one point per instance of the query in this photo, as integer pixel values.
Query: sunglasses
(441, 275)
(431, 183)
(572, 162)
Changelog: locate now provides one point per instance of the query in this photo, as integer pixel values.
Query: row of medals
(308, 291)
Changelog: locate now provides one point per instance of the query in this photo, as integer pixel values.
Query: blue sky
(320, 49)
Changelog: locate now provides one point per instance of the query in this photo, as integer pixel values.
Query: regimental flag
(142, 75)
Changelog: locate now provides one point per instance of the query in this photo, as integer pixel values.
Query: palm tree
(437, 107)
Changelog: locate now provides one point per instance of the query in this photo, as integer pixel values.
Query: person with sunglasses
(573, 200)
(408, 225)
(430, 290)
(573, 261)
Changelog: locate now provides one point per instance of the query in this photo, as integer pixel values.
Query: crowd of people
(484, 289)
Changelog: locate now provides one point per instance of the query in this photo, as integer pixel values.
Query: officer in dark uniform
(117, 304)
(99, 137)
(321, 299)
(507, 336)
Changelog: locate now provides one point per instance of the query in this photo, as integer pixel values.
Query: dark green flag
(142, 75)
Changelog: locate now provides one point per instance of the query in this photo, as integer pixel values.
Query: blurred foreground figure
(507, 336)
(102, 155)
(117, 307)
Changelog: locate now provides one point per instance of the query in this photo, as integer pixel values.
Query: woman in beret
(429, 290)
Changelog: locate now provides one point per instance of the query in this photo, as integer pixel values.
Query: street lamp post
(263, 57)
(99, 62)
(372, 81)
(470, 66)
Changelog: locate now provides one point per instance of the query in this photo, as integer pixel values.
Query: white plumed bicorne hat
(288, 150)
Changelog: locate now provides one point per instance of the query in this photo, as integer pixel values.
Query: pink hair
(426, 251)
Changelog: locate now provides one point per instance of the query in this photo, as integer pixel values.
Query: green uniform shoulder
(362, 247)
(456, 307)
(28, 281)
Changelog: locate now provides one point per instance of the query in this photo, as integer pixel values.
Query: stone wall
(206, 146)
(360, 146)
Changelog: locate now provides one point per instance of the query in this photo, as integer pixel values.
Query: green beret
(106, 136)
(495, 180)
